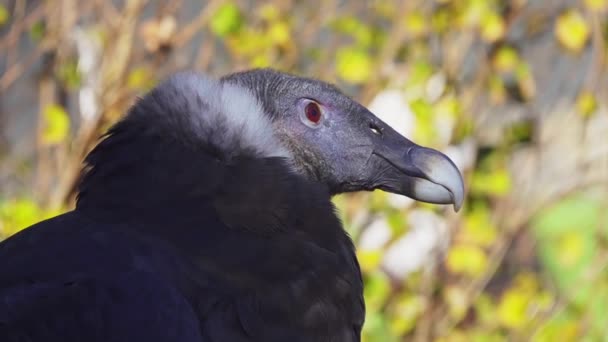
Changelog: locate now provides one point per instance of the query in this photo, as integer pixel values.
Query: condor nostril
(375, 129)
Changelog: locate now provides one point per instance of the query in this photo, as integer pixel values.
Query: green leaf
(226, 20)
(37, 31)
(56, 125)
(69, 74)
(376, 291)
(567, 245)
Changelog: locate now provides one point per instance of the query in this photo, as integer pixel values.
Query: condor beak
(418, 172)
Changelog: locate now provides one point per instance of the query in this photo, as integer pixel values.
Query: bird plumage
(205, 215)
(185, 231)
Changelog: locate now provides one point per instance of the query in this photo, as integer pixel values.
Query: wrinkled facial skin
(349, 148)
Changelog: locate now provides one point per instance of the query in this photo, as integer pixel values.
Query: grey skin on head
(349, 148)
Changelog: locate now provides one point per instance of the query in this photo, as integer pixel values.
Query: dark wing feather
(67, 280)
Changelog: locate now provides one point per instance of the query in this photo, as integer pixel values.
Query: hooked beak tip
(439, 169)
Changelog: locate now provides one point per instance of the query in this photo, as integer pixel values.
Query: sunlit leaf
(492, 27)
(369, 260)
(16, 215)
(496, 182)
(260, 61)
(505, 59)
(448, 107)
(474, 11)
(420, 72)
(467, 259)
(525, 80)
(597, 5)
(478, 229)
(571, 247)
(405, 313)
(226, 20)
(485, 309)
(586, 104)
(441, 20)
(279, 33)
(139, 78)
(572, 30)
(425, 123)
(377, 289)
(415, 23)
(512, 310)
(561, 327)
(353, 65)
(4, 15)
(56, 125)
(377, 328)
(269, 12)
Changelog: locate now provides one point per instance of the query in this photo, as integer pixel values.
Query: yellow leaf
(56, 125)
(506, 59)
(406, 314)
(498, 92)
(474, 11)
(492, 27)
(525, 80)
(467, 259)
(572, 30)
(279, 33)
(260, 61)
(353, 65)
(368, 260)
(571, 247)
(269, 12)
(478, 228)
(496, 182)
(226, 20)
(139, 78)
(415, 23)
(513, 309)
(4, 15)
(16, 215)
(586, 104)
(597, 5)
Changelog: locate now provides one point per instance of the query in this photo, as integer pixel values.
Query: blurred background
(516, 92)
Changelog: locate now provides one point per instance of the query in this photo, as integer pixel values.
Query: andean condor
(205, 215)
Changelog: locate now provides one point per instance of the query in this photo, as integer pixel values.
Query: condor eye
(313, 112)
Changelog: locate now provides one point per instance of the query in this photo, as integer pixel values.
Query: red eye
(313, 112)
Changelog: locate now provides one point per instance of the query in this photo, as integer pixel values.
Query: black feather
(175, 240)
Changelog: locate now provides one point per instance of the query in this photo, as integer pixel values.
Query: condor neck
(148, 180)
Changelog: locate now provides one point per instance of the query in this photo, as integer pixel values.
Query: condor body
(205, 215)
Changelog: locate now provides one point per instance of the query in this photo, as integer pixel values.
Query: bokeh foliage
(516, 90)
